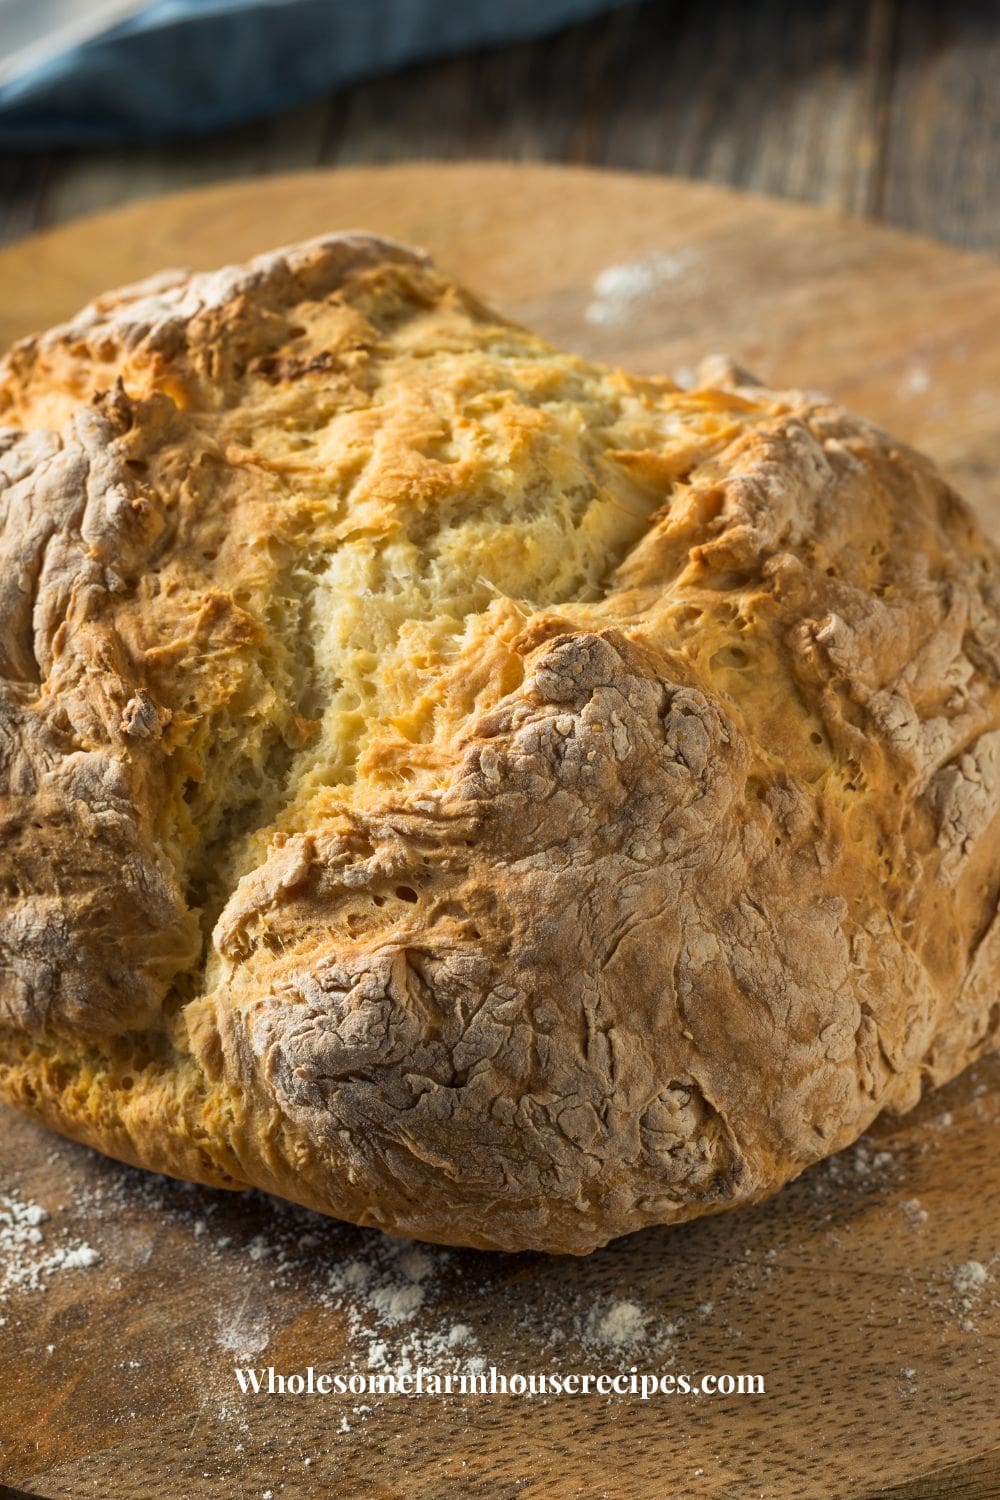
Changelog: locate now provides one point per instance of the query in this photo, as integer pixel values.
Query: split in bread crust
(467, 790)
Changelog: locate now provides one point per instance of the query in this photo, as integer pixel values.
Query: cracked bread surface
(464, 789)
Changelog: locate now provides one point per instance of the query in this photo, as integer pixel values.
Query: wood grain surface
(845, 1292)
(887, 108)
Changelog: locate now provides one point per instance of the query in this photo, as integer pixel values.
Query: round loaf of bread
(466, 790)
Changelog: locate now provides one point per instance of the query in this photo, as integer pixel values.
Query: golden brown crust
(467, 790)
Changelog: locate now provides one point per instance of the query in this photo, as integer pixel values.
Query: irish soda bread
(464, 789)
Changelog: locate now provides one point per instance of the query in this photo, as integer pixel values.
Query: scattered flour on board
(406, 1305)
(866, 1161)
(618, 289)
(860, 1160)
(27, 1257)
(390, 1292)
(383, 1292)
(243, 1332)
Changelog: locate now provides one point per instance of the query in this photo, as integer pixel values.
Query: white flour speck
(396, 1304)
(618, 289)
(614, 1325)
(415, 1263)
(916, 381)
(969, 1279)
(80, 1258)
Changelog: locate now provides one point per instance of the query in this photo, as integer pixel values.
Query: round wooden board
(881, 1372)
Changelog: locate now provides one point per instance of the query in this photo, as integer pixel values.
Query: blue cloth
(181, 67)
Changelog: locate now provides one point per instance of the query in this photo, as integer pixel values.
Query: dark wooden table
(884, 108)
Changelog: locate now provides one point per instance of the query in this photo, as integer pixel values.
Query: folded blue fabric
(187, 66)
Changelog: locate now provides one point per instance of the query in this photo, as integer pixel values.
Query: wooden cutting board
(855, 1293)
